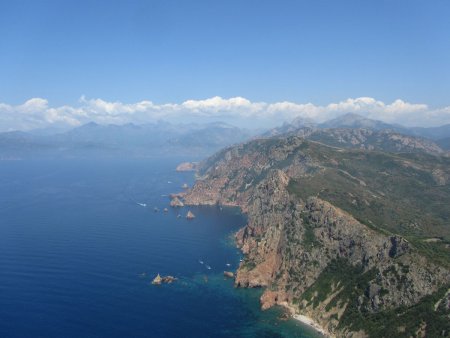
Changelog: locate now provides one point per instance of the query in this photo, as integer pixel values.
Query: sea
(80, 243)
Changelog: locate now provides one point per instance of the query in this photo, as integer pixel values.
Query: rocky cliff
(359, 264)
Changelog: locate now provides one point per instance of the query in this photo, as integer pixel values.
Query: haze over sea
(78, 253)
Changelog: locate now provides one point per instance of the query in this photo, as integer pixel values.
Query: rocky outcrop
(228, 274)
(187, 166)
(309, 254)
(158, 280)
(176, 203)
(190, 215)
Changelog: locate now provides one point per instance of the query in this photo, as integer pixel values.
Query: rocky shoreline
(195, 199)
(312, 257)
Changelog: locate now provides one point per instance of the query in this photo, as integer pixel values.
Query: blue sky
(265, 51)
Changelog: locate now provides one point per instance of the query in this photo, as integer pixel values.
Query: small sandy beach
(310, 322)
(306, 320)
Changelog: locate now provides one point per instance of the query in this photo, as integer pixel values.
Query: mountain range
(93, 139)
(440, 135)
(163, 138)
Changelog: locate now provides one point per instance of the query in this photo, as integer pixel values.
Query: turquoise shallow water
(78, 253)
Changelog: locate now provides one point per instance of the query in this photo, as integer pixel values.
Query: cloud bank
(38, 113)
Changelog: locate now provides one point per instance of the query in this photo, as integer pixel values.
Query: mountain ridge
(94, 139)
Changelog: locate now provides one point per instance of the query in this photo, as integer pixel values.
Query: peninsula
(339, 235)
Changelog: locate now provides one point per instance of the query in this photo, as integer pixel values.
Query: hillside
(369, 139)
(358, 240)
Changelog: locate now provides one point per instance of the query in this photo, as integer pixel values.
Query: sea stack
(190, 215)
(176, 203)
(157, 280)
(228, 274)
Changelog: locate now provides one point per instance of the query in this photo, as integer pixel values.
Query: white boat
(142, 204)
(201, 262)
(208, 267)
(228, 264)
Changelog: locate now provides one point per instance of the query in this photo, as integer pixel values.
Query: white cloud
(33, 106)
(38, 113)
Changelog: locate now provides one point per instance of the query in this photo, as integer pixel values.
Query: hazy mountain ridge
(434, 133)
(352, 121)
(92, 139)
(370, 139)
(359, 240)
(129, 139)
(444, 143)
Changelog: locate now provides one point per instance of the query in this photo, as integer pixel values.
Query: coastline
(308, 321)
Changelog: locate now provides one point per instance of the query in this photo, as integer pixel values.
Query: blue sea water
(78, 253)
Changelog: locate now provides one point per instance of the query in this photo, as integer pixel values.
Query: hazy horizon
(37, 113)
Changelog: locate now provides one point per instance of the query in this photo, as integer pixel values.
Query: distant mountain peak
(301, 121)
(90, 124)
(353, 120)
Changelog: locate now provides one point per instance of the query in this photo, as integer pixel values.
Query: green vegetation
(403, 321)
(350, 280)
(391, 193)
(351, 283)
(309, 238)
(406, 194)
(249, 265)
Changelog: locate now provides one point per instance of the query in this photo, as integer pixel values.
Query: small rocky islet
(228, 274)
(158, 280)
(190, 215)
(187, 166)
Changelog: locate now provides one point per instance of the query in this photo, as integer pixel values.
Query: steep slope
(359, 240)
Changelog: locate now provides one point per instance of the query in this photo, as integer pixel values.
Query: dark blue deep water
(78, 253)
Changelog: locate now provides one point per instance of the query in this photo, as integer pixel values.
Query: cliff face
(354, 278)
